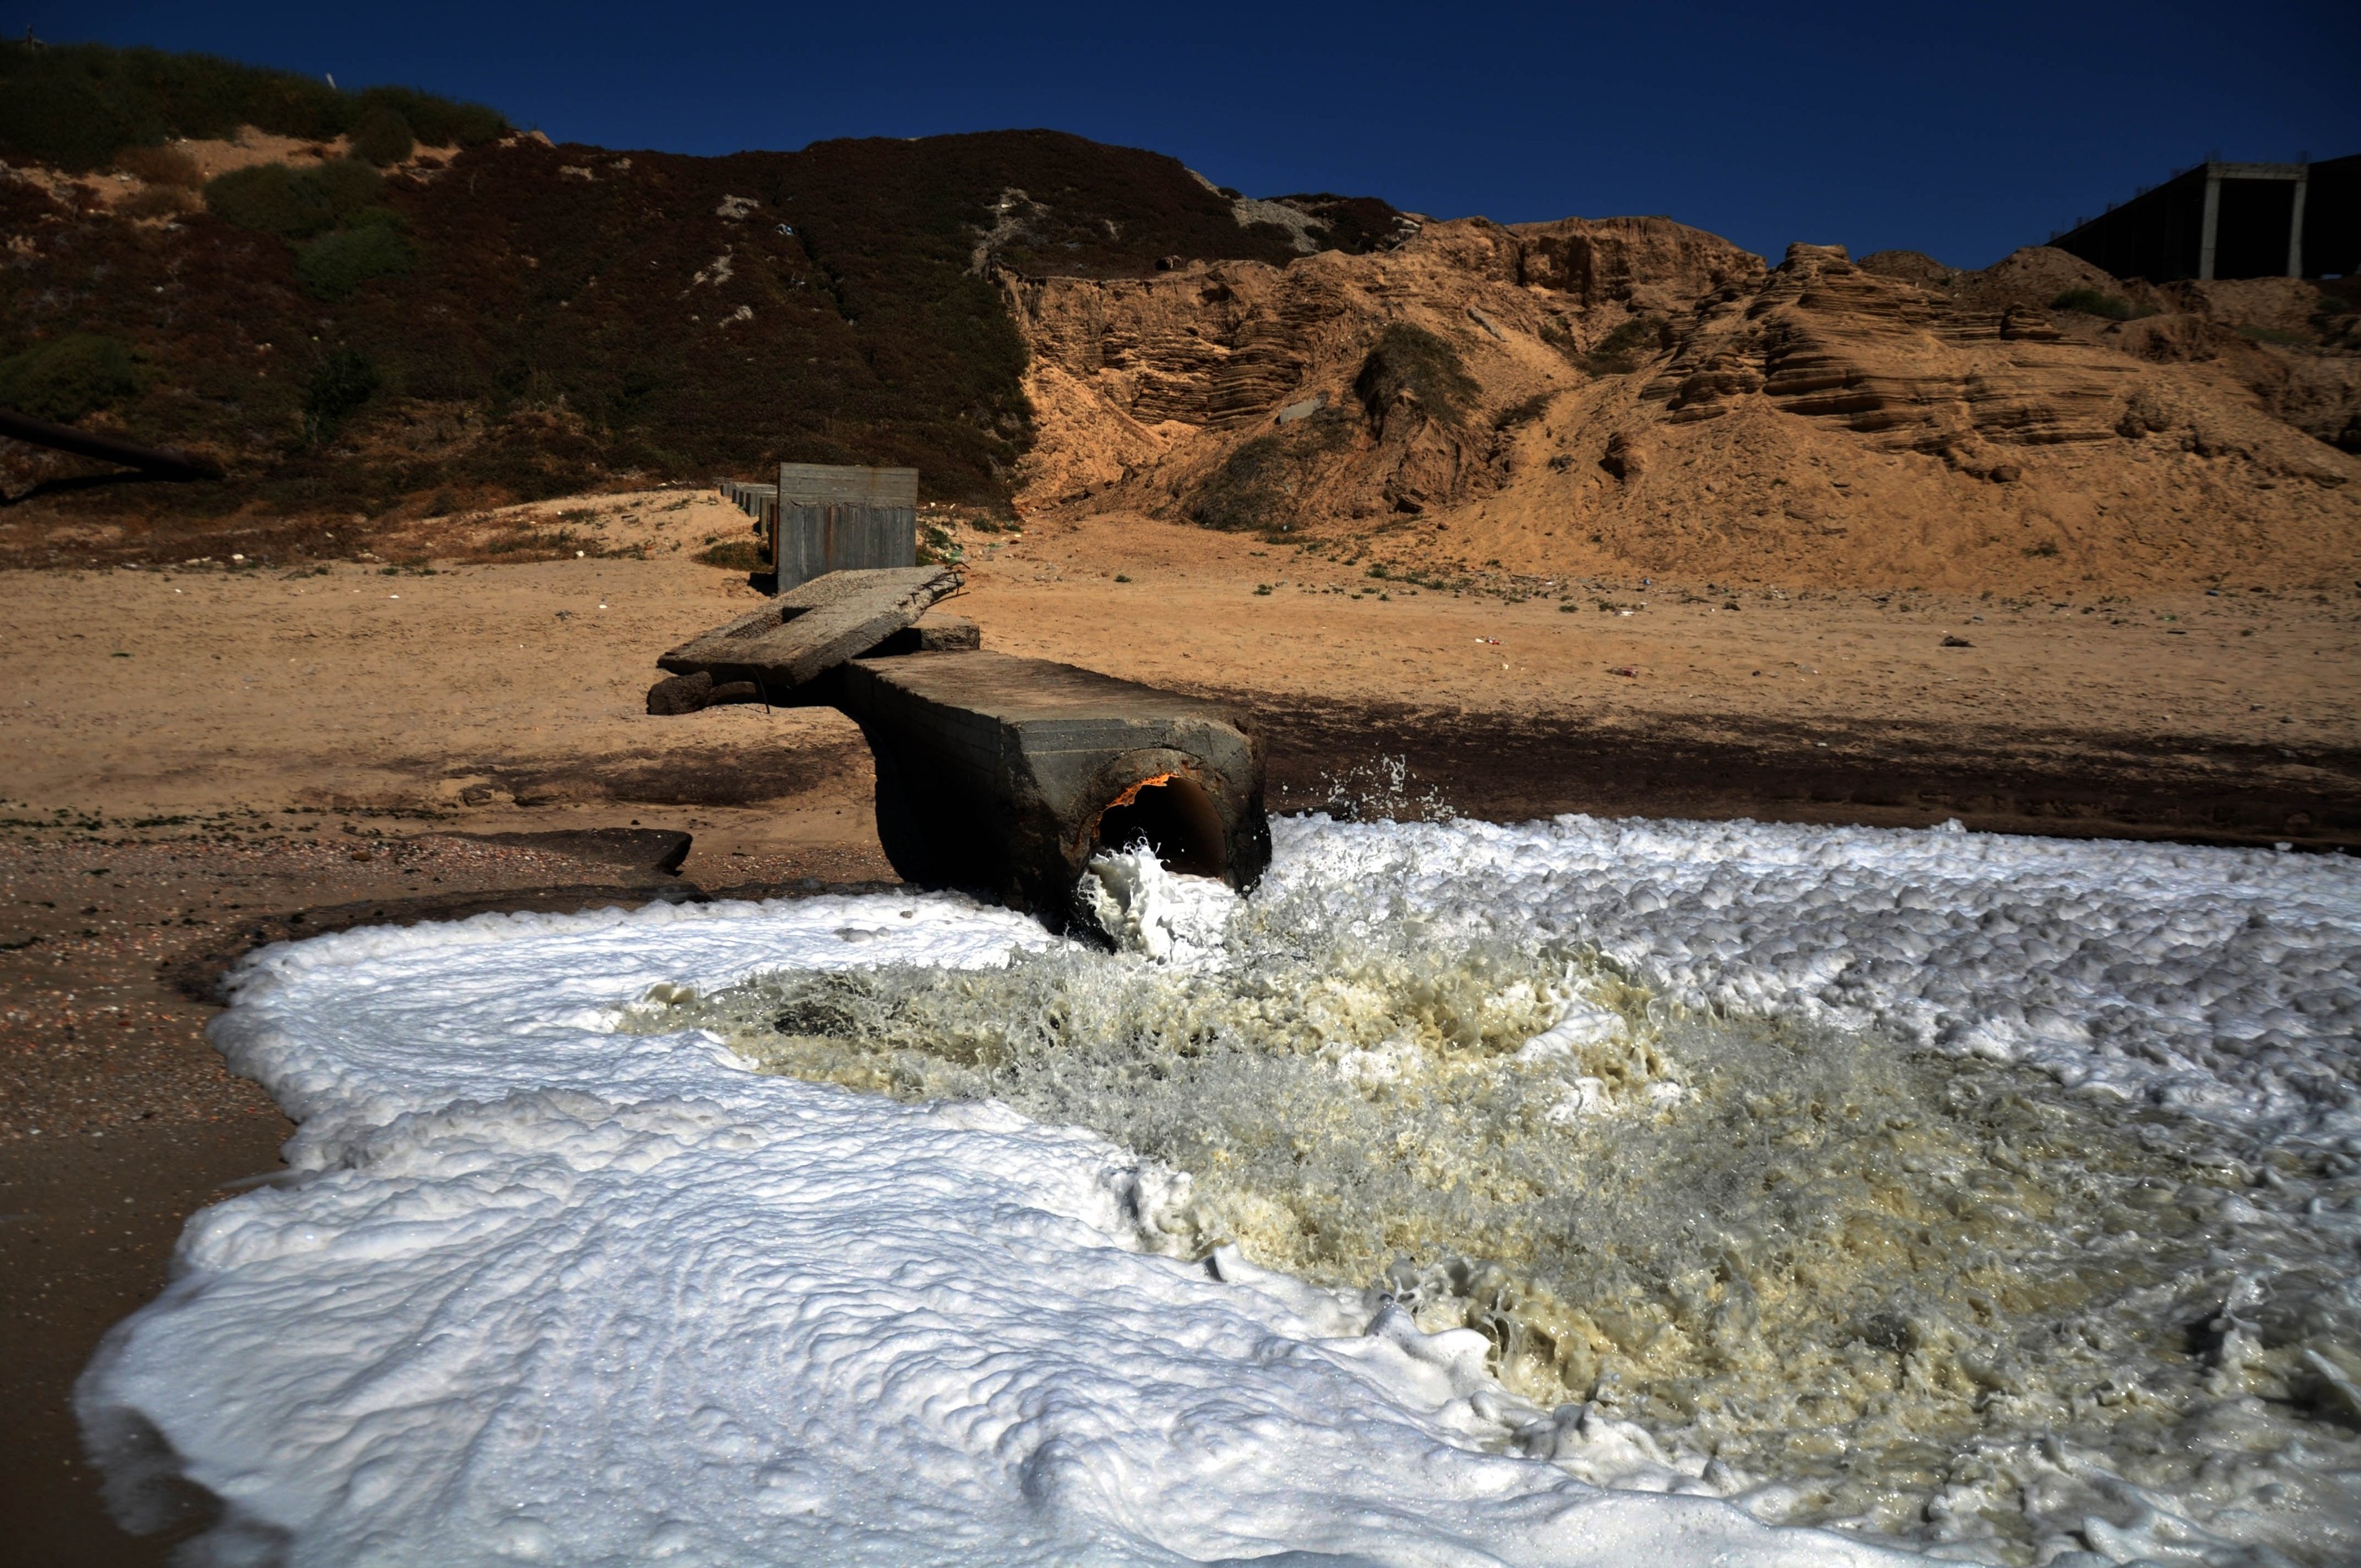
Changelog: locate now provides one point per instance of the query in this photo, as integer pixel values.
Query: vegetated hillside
(456, 325)
(77, 108)
(1535, 404)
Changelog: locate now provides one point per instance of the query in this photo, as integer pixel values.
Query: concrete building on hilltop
(2232, 220)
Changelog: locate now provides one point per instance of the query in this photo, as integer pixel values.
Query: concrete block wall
(822, 517)
(839, 518)
(831, 484)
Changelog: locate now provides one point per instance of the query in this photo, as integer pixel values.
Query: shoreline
(159, 1171)
(1505, 767)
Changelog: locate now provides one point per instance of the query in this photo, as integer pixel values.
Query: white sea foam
(2223, 983)
(547, 1288)
(1147, 909)
(543, 1291)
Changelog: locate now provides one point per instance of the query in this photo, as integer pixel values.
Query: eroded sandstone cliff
(1602, 395)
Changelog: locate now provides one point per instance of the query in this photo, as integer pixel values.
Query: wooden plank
(813, 629)
(837, 587)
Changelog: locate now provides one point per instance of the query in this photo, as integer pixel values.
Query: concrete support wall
(2209, 236)
(814, 540)
(2295, 229)
(822, 517)
(2258, 220)
(2331, 218)
(2226, 220)
(2155, 235)
(826, 483)
(760, 503)
(836, 518)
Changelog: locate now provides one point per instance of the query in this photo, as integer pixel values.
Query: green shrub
(2094, 303)
(1410, 359)
(1260, 485)
(381, 136)
(161, 165)
(438, 121)
(340, 384)
(273, 199)
(735, 555)
(61, 121)
(333, 266)
(1247, 488)
(1626, 348)
(348, 184)
(68, 377)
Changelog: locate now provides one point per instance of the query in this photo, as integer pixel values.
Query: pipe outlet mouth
(1177, 820)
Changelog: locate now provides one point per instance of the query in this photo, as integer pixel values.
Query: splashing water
(1931, 1296)
(1143, 908)
(1382, 790)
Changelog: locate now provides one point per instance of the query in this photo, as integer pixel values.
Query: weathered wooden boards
(808, 631)
(931, 633)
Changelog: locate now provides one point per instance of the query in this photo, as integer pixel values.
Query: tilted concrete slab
(1006, 774)
(812, 628)
(698, 690)
(931, 633)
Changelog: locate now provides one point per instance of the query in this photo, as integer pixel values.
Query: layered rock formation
(1600, 395)
(1133, 375)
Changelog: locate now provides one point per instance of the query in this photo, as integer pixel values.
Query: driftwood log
(163, 462)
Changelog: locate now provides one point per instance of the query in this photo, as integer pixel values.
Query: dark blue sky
(1959, 130)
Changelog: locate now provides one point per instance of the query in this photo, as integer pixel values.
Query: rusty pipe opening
(1177, 818)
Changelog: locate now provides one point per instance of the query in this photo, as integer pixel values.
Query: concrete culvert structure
(1005, 776)
(996, 774)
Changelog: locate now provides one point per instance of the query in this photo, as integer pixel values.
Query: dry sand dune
(1633, 397)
